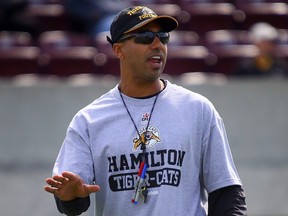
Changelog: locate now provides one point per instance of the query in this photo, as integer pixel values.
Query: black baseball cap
(134, 17)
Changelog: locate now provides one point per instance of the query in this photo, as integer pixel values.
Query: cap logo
(147, 16)
(146, 12)
(134, 10)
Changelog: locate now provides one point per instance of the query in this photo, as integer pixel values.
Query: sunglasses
(147, 37)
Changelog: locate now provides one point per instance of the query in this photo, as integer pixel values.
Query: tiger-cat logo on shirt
(149, 138)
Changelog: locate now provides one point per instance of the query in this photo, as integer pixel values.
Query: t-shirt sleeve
(218, 168)
(75, 154)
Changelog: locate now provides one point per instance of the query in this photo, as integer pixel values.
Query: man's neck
(141, 90)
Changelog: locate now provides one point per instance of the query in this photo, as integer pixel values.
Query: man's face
(144, 61)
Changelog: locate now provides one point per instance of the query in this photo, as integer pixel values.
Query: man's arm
(227, 201)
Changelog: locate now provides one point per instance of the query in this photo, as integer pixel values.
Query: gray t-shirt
(188, 154)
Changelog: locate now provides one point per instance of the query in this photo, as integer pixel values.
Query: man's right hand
(69, 186)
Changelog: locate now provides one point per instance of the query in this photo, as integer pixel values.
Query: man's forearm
(73, 207)
(228, 201)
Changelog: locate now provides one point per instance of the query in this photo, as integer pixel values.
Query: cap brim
(168, 23)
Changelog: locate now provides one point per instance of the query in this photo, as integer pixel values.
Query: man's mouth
(156, 59)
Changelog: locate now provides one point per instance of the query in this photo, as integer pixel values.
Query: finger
(60, 178)
(70, 175)
(52, 182)
(92, 188)
(49, 189)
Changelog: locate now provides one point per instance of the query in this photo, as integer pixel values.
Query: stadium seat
(61, 38)
(220, 37)
(283, 36)
(227, 57)
(181, 37)
(205, 17)
(282, 43)
(48, 16)
(182, 59)
(65, 53)
(14, 38)
(274, 13)
(69, 61)
(106, 59)
(19, 60)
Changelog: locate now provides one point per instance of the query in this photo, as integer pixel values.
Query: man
(268, 62)
(147, 141)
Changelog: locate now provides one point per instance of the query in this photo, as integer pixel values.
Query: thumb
(92, 188)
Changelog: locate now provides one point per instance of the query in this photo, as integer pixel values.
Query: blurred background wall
(33, 122)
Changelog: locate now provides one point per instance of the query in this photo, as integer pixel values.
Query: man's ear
(117, 49)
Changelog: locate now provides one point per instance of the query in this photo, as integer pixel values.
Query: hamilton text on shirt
(167, 162)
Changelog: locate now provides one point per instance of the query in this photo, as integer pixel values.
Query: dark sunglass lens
(164, 37)
(148, 37)
(145, 38)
